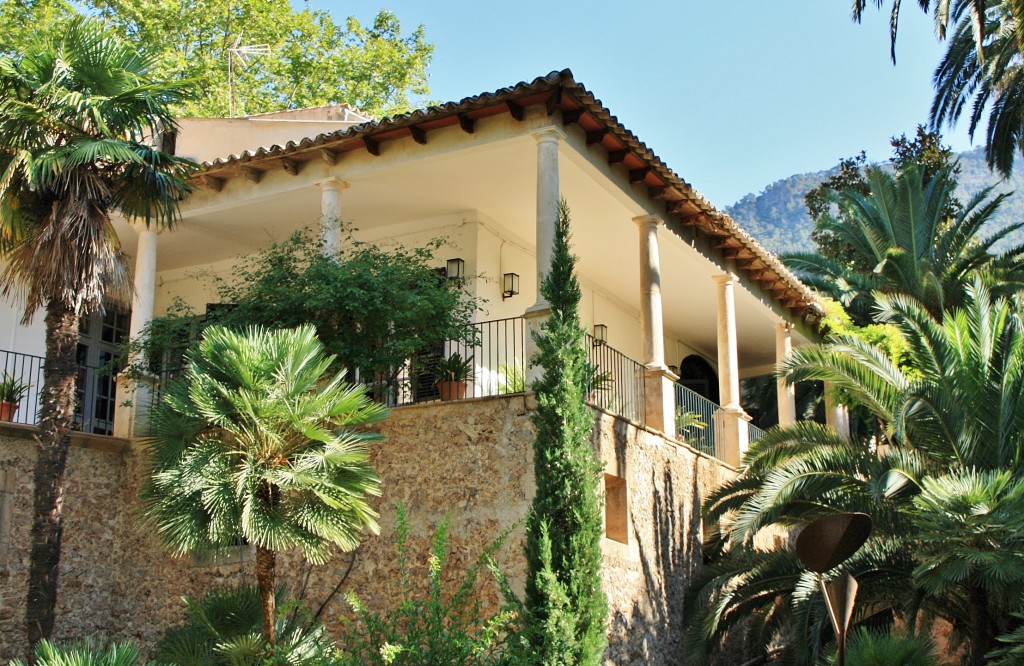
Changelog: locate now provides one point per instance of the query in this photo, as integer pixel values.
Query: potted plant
(452, 376)
(12, 390)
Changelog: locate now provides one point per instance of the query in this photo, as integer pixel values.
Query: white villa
(681, 302)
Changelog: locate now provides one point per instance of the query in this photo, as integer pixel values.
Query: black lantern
(600, 334)
(456, 269)
(509, 285)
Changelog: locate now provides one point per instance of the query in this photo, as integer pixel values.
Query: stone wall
(469, 459)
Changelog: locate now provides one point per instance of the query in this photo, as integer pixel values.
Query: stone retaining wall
(468, 459)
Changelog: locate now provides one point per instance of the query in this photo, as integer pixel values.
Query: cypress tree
(566, 608)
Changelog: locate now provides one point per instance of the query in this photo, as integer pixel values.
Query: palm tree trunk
(56, 413)
(265, 560)
(977, 602)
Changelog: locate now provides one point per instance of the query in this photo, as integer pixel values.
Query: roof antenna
(241, 53)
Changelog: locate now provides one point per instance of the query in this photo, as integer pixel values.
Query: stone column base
(732, 435)
(135, 396)
(660, 399)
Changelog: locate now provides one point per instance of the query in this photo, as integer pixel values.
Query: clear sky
(732, 94)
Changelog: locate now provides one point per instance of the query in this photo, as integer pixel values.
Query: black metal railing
(696, 420)
(620, 384)
(95, 393)
(754, 433)
(497, 356)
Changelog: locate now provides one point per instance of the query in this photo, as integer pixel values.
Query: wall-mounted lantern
(509, 285)
(456, 269)
(600, 334)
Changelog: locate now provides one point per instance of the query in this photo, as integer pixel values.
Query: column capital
(548, 134)
(647, 221)
(725, 278)
(332, 183)
(783, 326)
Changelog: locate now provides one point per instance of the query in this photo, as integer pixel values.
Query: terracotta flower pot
(8, 410)
(452, 390)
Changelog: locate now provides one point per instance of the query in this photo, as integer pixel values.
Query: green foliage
(778, 216)
(223, 628)
(511, 378)
(374, 307)
(925, 152)
(314, 60)
(12, 389)
(566, 607)
(454, 368)
(872, 648)
(435, 627)
(259, 441)
(84, 653)
(984, 76)
(75, 117)
(902, 230)
(941, 479)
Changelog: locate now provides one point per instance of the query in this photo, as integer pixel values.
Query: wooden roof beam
(329, 157)
(372, 146)
(212, 183)
(517, 110)
(572, 116)
(419, 135)
(596, 136)
(467, 124)
(617, 156)
(637, 175)
(554, 102)
(290, 166)
(251, 174)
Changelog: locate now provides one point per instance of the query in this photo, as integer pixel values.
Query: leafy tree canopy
(313, 60)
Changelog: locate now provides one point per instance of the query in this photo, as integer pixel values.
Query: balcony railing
(696, 420)
(619, 385)
(94, 393)
(498, 356)
(754, 433)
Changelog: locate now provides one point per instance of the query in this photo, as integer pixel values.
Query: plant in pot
(452, 376)
(12, 390)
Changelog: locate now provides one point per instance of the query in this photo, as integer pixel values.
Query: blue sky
(732, 94)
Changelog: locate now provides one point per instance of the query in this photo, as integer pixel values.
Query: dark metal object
(828, 542)
(824, 545)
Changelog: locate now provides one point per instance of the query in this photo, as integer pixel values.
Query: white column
(144, 293)
(134, 397)
(732, 442)
(547, 222)
(547, 203)
(330, 215)
(836, 415)
(786, 392)
(660, 393)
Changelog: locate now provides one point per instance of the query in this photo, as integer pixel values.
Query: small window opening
(615, 499)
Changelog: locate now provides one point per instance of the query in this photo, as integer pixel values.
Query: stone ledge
(82, 440)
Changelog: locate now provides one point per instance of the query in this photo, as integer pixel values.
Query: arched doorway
(697, 375)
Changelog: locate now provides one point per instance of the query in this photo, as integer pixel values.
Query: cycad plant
(77, 120)
(942, 481)
(260, 442)
(901, 230)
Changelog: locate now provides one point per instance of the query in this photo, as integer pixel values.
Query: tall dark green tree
(566, 607)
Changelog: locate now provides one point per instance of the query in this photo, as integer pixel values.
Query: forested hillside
(778, 217)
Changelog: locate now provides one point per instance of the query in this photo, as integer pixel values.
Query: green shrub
(432, 628)
(873, 648)
(84, 653)
(224, 629)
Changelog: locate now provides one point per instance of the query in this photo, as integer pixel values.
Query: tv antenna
(240, 53)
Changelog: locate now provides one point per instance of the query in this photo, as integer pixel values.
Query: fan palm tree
(75, 115)
(943, 483)
(258, 443)
(900, 229)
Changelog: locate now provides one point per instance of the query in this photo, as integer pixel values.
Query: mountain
(778, 218)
